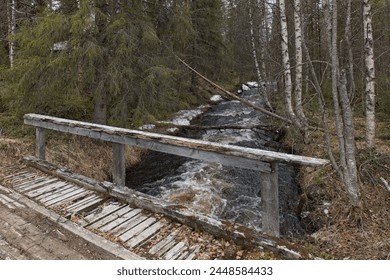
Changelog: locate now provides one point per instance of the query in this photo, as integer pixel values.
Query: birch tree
(299, 66)
(342, 110)
(11, 6)
(286, 66)
(369, 74)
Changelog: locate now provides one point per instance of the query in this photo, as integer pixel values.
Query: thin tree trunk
(100, 109)
(331, 26)
(286, 66)
(299, 67)
(260, 77)
(369, 74)
(344, 121)
(11, 5)
(324, 114)
(264, 39)
(351, 176)
(101, 94)
(351, 77)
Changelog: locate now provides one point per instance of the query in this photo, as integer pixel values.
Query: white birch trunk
(253, 44)
(11, 5)
(286, 66)
(370, 74)
(299, 66)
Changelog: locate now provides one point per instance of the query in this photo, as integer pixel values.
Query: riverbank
(334, 230)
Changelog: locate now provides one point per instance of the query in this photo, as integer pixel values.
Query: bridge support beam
(40, 142)
(118, 164)
(269, 189)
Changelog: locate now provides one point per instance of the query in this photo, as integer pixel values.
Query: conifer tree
(95, 60)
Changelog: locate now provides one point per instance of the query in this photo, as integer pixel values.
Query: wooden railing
(266, 162)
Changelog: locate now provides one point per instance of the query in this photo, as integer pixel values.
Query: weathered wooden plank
(193, 254)
(199, 149)
(175, 251)
(40, 143)
(9, 202)
(46, 189)
(9, 252)
(18, 174)
(119, 164)
(137, 229)
(79, 203)
(63, 173)
(46, 199)
(29, 182)
(37, 185)
(101, 213)
(164, 245)
(67, 198)
(24, 243)
(270, 201)
(115, 250)
(54, 193)
(86, 206)
(128, 217)
(110, 218)
(37, 238)
(5, 202)
(130, 224)
(20, 180)
(144, 235)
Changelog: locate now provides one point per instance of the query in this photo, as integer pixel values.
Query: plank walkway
(146, 234)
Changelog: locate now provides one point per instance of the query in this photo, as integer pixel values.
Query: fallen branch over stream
(230, 95)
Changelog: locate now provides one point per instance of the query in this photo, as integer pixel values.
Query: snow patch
(252, 84)
(147, 127)
(184, 117)
(244, 87)
(216, 98)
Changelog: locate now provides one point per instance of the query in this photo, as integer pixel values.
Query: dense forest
(121, 63)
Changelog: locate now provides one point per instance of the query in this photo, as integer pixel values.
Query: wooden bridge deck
(127, 224)
(149, 235)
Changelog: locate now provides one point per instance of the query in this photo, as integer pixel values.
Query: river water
(212, 189)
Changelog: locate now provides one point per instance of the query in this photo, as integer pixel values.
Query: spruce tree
(95, 60)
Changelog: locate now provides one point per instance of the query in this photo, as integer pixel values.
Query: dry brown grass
(12, 150)
(338, 230)
(82, 155)
(87, 157)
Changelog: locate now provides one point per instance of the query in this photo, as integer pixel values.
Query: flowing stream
(218, 191)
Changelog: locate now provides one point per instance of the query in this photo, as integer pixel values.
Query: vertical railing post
(118, 164)
(40, 142)
(270, 201)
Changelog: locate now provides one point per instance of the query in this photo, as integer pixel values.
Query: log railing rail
(248, 158)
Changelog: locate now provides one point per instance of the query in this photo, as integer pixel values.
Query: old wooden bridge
(137, 222)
